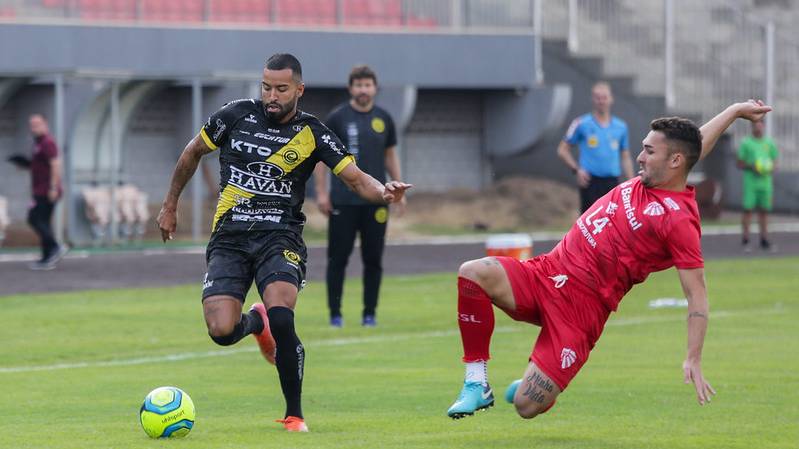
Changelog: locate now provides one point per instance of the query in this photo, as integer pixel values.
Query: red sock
(475, 319)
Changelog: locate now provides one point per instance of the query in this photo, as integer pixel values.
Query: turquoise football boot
(510, 392)
(474, 396)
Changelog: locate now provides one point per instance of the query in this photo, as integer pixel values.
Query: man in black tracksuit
(369, 135)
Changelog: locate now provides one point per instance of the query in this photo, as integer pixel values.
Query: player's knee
(219, 328)
(472, 270)
(222, 336)
(529, 409)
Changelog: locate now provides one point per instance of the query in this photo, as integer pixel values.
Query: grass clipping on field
(512, 204)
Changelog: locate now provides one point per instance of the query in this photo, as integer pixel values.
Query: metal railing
(699, 55)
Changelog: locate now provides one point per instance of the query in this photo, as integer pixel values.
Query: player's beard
(363, 100)
(285, 109)
(649, 177)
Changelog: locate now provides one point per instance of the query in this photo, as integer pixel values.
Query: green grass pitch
(74, 368)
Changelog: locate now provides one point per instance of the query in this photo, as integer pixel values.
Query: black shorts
(235, 259)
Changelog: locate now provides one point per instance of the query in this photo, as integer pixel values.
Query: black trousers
(40, 217)
(597, 187)
(344, 223)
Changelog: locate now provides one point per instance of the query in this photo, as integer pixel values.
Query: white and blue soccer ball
(167, 412)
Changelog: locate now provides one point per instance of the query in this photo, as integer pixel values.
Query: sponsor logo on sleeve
(654, 209)
(220, 128)
(671, 203)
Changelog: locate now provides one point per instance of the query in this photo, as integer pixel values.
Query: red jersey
(44, 151)
(628, 233)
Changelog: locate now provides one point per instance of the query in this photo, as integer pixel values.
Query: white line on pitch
(346, 342)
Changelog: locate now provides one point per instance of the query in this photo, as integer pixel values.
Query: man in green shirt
(757, 157)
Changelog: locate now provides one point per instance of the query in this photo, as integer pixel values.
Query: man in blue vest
(603, 148)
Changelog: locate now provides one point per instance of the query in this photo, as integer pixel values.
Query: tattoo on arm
(697, 315)
(490, 261)
(535, 388)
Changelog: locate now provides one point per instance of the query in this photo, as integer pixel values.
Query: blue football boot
(510, 392)
(474, 396)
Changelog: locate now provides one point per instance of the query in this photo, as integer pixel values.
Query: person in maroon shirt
(647, 224)
(45, 167)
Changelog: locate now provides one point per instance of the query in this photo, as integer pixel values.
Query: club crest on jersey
(297, 128)
(567, 358)
(291, 157)
(378, 125)
(654, 209)
(671, 203)
(251, 118)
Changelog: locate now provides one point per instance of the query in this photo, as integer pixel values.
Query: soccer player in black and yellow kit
(267, 150)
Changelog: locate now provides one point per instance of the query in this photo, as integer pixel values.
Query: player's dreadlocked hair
(280, 61)
(683, 136)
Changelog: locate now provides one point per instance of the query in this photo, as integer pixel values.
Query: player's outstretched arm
(184, 170)
(320, 186)
(752, 110)
(370, 188)
(693, 285)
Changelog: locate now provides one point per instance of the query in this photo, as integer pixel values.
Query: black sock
(290, 357)
(251, 322)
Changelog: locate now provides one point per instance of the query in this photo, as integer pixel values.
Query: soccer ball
(167, 412)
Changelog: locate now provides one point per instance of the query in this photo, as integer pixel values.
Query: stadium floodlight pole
(668, 36)
(65, 218)
(573, 40)
(456, 18)
(769, 29)
(538, 31)
(196, 182)
(115, 157)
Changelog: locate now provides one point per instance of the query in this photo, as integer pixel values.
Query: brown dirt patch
(517, 204)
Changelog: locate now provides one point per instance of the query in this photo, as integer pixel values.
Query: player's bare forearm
(711, 131)
(565, 154)
(693, 284)
(55, 173)
(320, 179)
(370, 188)
(186, 167)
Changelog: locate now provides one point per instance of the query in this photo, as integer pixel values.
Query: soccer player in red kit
(647, 224)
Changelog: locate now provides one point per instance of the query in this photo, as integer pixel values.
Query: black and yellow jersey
(264, 165)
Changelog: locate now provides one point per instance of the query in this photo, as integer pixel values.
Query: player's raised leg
(481, 283)
(226, 324)
(533, 394)
(280, 297)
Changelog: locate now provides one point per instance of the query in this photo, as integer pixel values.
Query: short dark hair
(362, 71)
(280, 61)
(683, 136)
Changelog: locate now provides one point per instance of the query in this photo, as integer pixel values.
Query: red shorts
(570, 315)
